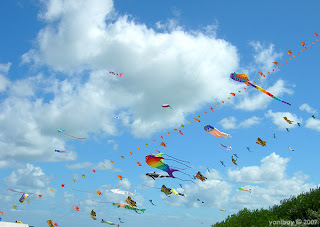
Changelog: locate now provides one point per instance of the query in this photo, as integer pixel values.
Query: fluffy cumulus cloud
(278, 119)
(268, 182)
(306, 107)
(313, 124)
(230, 122)
(214, 192)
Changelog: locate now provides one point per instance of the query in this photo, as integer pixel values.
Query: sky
(55, 60)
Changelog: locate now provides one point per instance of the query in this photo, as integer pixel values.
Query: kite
(98, 192)
(222, 163)
(1, 212)
(291, 148)
(155, 175)
(93, 215)
(233, 160)
(156, 161)
(28, 201)
(313, 117)
(83, 176)
(212, 130)
(261, 142)
(108, 222)
(289, 52)
(195, 119)
(166, 190)
(177, 193)
(130, 153)
(51, 190)
(236, 155)
(93, 171)
(55, 224)
(117, 117)
(303, 43)
(111, 162)
(120, 177)
(249, 149)
(211, 109)
(62, 185)
(23, 197)
(122, 157)
(223, 210)
(274, 136)
(76, 208)
(208, 170)
(127, 206)
(298, 124)
(62, 130)
(288, 130)
(180, 132)
(163, 144)
(73, 180)
(200, 200)
(131, 202)
(228, 148)
(118, 191)
(50, 223)
(120, 220)
(233, 94)
(139, 163)
(243, 78)
(150, 200)
(316, 34)
(62, 152)
(245, 190)
(166, 106)
(287, 120)
(201, 177)
(14, 207)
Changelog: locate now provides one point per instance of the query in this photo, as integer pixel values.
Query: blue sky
(54, 73)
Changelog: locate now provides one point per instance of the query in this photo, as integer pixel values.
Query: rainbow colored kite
(244, 79)
(156, 161)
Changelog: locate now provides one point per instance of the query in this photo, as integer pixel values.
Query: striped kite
(243, 78)
(212, 130)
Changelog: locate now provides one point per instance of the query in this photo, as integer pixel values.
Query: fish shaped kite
(60, 151)
(201, 177)
(291, 148)
(108, 222)
(127, 206)
(261, 142)
(93, 215)
(227, 147)
(62, 130)
(131, 202)
(233, 160)
(23, 197)
(244, 79)
(118, 191)
(150, 200)
(156, 161)
(245, 190)
(166, 106)
(287, 120)
(212, 130)
(155, 175)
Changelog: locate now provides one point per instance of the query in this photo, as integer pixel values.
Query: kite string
(176, 158)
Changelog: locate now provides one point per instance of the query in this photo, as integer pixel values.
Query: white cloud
(272, 169)
(5, 67)
(115, 145)
(29, 178)
(307, 108)
(230, 122)
(313, 124)
(265, 57)
(278, 119)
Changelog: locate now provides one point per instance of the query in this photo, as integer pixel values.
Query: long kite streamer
(62, 130)
(244, 79)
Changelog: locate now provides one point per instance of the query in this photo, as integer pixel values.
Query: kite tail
(75, 137)
(171, 171)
